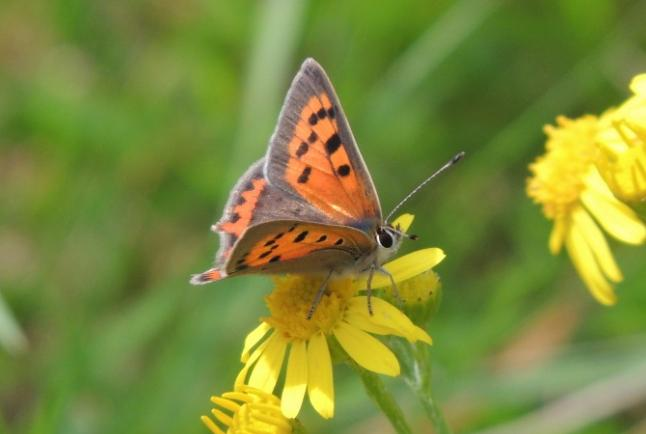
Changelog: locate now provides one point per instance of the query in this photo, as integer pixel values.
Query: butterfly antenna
(446, 165)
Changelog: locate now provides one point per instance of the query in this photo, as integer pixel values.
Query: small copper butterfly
(308, 206)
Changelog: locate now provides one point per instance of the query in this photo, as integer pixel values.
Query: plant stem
(375, 388)
(433, 411)
(416, 369)
(377, 391)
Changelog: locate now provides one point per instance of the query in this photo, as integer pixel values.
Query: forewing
(314, 155)
(298, 247)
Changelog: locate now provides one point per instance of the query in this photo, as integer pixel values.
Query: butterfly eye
(385, 239)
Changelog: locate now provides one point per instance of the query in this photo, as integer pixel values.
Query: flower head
(622, 140)
(559, 175)
(247, 411)
(566, 182)
(342, 315)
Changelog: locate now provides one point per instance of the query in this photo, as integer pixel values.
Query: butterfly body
(308, 206)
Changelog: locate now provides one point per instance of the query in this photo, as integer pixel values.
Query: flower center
(558, 176)
(292, 299)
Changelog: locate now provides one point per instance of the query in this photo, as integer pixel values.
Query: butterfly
(308, 206)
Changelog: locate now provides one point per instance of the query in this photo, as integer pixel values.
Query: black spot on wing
(321, 238)
(264, 254)
(300, 237)
(302, 149)
(343, 170)
(234, 217)
(338, 242)
(332, 144)
(313, 137)
(305, 175)
(275, 258)
(322, 114)
(269, 243)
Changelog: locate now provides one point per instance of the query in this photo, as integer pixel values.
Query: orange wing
(298, 247)
(313, 153)
(289, 246)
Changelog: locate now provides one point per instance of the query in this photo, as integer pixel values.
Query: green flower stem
(416, 370)
(377, 391)
(433, 411)
(375, 388)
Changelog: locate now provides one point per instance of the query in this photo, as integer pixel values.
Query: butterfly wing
(294, 246)
(313, 155)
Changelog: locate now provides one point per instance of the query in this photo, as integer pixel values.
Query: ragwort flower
(288, 334)
(247, 411)
(566, 182)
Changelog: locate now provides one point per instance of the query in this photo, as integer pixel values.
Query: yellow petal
(386, 319)
(295, 380)
(357, 315)
(222, 416)
(558, 235)
(320, 387)
(586, 265)
(366, 350)
(211, 425)
(409, 266)
(627, 174)
(598, 245)
(253, 338)
(403, 222)
(614, 216)
(638, 84)
(241, 378)
(267, 369)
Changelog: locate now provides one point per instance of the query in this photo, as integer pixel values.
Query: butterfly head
(388, 241)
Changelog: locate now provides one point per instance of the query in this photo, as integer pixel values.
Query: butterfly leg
(369, 289)
(393, 284)
(318, 296)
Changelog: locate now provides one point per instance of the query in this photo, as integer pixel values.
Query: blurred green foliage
(123, 126)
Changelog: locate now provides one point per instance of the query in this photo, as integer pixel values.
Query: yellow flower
(573, 194)
(622, 140)
(340, 314)
(247, 411)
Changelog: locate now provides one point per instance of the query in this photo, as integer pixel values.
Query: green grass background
(123, 125)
